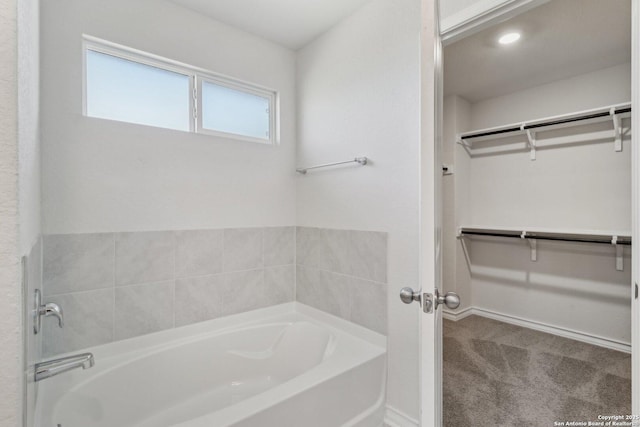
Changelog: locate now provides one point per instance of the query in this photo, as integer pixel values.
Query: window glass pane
(234, 111)
(119, 89)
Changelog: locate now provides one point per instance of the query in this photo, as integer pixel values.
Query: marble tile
(143, 309)
(309, 247)
(144, 257)
(279, 246)
(369, 304)
(368, 255)
(77, 262)
(199, 252)
(324, 290)
(279, 284)
(242, 249)
(88, 321)
(198, 299)
(334, 251)
(243, 291)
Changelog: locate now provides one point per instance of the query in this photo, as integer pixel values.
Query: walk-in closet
(537, 217)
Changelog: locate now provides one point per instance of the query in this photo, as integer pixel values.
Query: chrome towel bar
(360, 160)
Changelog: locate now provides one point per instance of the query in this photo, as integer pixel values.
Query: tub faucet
(52, 309)
(45, 310)
(51, 368)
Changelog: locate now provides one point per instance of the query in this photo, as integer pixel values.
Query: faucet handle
(45, 310)
(52, 309)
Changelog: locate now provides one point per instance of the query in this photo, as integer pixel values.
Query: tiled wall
(114, 286)
(344, 273)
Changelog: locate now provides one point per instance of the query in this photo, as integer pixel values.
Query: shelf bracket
(617, 129)
(531, 136)
(462, 142)
(534, 249)
(533, 243)
(619, 253)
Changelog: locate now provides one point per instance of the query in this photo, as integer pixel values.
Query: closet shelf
(614, 113)
(616, 239)
(612, 238)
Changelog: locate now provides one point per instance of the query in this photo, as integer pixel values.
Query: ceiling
(560, 39)
(290, 23)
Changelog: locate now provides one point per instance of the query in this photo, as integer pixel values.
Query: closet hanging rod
(550, 122)
(561, 237)
(360, 160)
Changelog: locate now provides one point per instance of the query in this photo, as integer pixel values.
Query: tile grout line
(113, 300)
(224, 281)
(342, 274)
(295, 263)
(264, 268)
(175, 261)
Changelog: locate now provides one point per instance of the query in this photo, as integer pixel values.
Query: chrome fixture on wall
(45, 310)
(360, 160)
(51, 368)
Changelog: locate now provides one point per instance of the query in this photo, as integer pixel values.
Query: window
(119, 89)
(235, 111)
(130, 86)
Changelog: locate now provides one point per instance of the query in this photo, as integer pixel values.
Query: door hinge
(636, 291)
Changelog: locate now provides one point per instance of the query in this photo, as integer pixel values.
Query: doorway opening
(537, 218)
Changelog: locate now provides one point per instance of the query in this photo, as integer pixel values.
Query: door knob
(431, 301)
(450, 299)
(408, 295)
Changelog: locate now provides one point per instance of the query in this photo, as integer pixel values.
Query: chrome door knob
(408, 295)
(450, 299)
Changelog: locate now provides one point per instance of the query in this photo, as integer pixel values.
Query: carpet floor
(498, 374)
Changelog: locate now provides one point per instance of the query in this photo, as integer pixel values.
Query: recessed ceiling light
(509, 38)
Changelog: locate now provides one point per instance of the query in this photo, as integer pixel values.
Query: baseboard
(396, 418)
(543, 327)
(457, 315)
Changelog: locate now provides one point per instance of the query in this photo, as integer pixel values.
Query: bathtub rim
(123, 352)
(156, 341)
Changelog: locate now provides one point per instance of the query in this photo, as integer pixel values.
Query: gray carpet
(497, 374)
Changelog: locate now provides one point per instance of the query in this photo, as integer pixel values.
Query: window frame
(196, 77)
(200, 79)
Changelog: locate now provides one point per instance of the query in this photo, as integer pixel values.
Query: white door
(635, 308)
(430, 223)
(427, 298)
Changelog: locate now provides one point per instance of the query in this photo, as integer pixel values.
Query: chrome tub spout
(51, 368)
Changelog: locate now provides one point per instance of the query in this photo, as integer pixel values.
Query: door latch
(450, 299)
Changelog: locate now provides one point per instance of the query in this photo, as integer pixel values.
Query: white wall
(583, 184)
(455, 194)
(28, 123)
(577, 186)
(29, 179)
(100, 175)
(10, 292)
(358, 95)
(591, 90)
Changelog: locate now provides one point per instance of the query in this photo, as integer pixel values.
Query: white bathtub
(289, 365)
